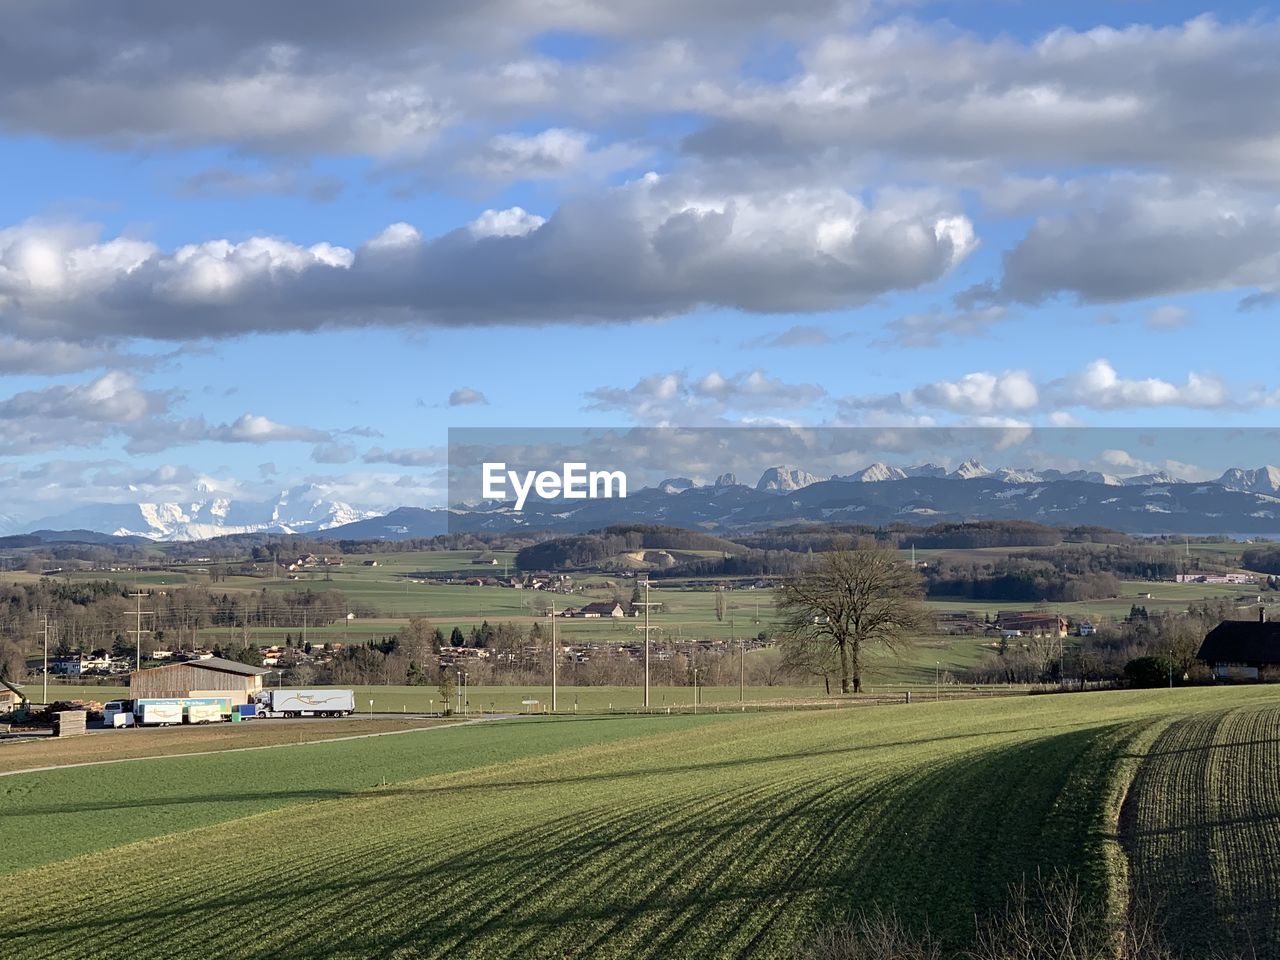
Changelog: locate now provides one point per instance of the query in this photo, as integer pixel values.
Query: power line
(138, 632)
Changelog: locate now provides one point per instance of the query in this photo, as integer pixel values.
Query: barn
(215, 677)
(1242, 649)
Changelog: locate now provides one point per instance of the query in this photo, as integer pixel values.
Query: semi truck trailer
(305, 703)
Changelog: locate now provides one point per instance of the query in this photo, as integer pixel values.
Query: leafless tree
(849, 602)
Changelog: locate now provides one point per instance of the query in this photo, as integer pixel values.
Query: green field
(717, 835)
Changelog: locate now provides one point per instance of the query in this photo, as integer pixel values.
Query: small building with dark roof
(1242, 649)
(215, 677)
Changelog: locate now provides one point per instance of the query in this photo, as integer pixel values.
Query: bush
(1148, 672)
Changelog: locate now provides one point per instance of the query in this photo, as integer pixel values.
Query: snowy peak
(676, 485)
(876, 473)
(783, 479)
(298, 510)
(926, 470)
(969, 470)
(1151, 479)
(1262, 480)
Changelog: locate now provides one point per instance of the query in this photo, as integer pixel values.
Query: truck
(305, 703)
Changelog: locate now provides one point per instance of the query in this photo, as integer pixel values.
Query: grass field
(1203, 825)
(142, 742)
(615, 836)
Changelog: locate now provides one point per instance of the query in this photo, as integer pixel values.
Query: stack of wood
(69, 723)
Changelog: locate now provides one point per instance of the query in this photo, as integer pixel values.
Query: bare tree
(721, 604)
(849, 602)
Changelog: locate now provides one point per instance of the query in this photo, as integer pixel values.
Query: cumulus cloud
(407, 456)
(652, 247)
(1140, 238)
(467, 396)
(18, 356)
(252, 428)
(1100, 387)
(677, 398)
(114, 398)
(1133, 96)
(982, 396)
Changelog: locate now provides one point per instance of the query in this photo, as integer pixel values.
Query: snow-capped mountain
(1151, 479)
(303, 509)
(784, 479)
(969, 470)
(676, 484)
(1262, 480)
(8, 525)
(926, 470)
(875, 473)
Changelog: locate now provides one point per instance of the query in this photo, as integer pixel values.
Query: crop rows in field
(731, 838)
(1202, 827)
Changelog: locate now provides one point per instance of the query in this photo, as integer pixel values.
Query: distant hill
(403, 523)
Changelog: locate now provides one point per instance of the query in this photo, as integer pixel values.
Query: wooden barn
(198, 678)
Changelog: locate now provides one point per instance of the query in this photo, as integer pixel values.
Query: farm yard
(715, 835)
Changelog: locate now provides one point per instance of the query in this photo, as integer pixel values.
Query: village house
(1031, 625)
(1242, 649)
(601, 608)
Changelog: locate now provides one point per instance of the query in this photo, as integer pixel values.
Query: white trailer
(306, 703)
(117, 714)
(158, 713)
(204, 713)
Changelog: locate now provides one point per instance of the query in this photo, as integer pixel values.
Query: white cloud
(1168, 316)
(991, 398)
(1100, 387)
(653, 247)
(678, 399)
(978, 393)
(252, 428)
(467, 396)
(407, 456)
(1133, 97)
(333, 453)
(113, 398)
(1139, 238)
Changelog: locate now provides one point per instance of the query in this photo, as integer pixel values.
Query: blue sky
(864, 214)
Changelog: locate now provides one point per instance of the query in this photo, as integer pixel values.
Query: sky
(256, 246)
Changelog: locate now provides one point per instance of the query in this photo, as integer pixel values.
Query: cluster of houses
(312, 562)
(1215, 578)
(1012, 623)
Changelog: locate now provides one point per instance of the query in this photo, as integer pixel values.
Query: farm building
(196, 678)
(1242, 649)
(1031, 625)
(10, 696)
(602, 608)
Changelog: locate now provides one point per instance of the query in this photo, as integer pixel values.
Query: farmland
(631, 836)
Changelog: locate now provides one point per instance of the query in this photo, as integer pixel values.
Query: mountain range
(1239, 501)
(301, 509)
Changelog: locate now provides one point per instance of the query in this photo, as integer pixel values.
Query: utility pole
(44, 632)
(138, 632)
(742, 670)
(647, 628)
(555, 655)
